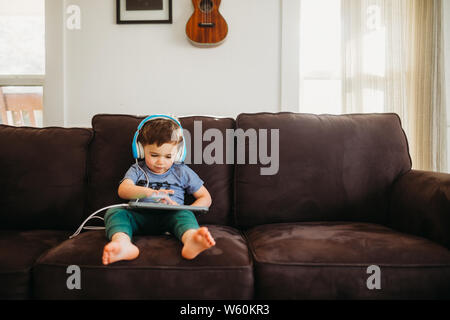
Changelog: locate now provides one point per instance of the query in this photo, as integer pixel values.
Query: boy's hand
(165, 200)
(169, 201)
(151, 192)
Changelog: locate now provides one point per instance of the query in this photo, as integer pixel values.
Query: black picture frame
(121, 9)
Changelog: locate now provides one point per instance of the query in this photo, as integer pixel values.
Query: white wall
(145, 69)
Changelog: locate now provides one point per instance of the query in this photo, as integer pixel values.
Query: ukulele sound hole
(206, 5)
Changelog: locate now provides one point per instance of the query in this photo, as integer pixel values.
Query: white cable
(95, 228)
(146, 176)
(145, 173)
(92, 216)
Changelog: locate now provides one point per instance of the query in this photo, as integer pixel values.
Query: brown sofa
(344, 198)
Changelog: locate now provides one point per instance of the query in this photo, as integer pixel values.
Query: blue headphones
(138, 149)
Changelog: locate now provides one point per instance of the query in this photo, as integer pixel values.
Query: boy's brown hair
(160, 131)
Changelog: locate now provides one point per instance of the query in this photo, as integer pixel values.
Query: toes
(105, 258)
(210, 239)
(113, 248)
(206, 235)
(198, 237)
(108, 252)
(203, 231)
(107, 249)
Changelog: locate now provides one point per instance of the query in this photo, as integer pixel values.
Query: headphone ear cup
(183, 152)
(140, 150)
(180, 153)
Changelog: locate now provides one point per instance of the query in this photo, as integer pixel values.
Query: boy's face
(160, 159)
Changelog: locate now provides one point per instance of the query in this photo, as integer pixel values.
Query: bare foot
(196, 241)
(120, 248)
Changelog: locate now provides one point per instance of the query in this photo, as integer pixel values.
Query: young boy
(160, 139)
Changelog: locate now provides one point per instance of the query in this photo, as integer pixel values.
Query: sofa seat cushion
(330, 260)
(19, 250)
(224, 271)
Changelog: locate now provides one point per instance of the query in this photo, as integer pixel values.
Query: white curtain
(365, 56)
(392, 53)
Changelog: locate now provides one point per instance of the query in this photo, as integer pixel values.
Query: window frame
(22, 80)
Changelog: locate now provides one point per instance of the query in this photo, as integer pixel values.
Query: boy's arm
(203, 198)
(128, 190)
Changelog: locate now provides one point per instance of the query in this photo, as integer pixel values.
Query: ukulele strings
(207, 10)
(203, 12)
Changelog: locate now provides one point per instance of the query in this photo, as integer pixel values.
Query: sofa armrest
(420, 205)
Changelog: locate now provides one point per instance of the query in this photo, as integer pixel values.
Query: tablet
(163, 206)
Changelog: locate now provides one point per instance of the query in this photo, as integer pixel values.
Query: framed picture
(144, 11)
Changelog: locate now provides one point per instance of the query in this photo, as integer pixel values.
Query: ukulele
(206, 27)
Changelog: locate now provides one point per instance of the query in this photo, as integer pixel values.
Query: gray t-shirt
(179, 178)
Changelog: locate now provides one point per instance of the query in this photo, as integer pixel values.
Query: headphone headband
(137, 148)
(157, 116)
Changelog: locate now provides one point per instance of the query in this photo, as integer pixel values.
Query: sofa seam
(251, 250)
(202, 268)
(312, 114)
(19, 271)
(250, 255)
(354, 265)
(138, 117)
(49, 127)
(392, 186)
(406, 139)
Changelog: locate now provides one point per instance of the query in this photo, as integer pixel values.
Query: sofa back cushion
(331, 167)
(111, 156)
(42, 177)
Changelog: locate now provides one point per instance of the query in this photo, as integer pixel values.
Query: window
(342, 60)
(375, 56)
(320, 57)
(22, 61)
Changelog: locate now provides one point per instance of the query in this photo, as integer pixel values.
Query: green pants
(149, 222)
